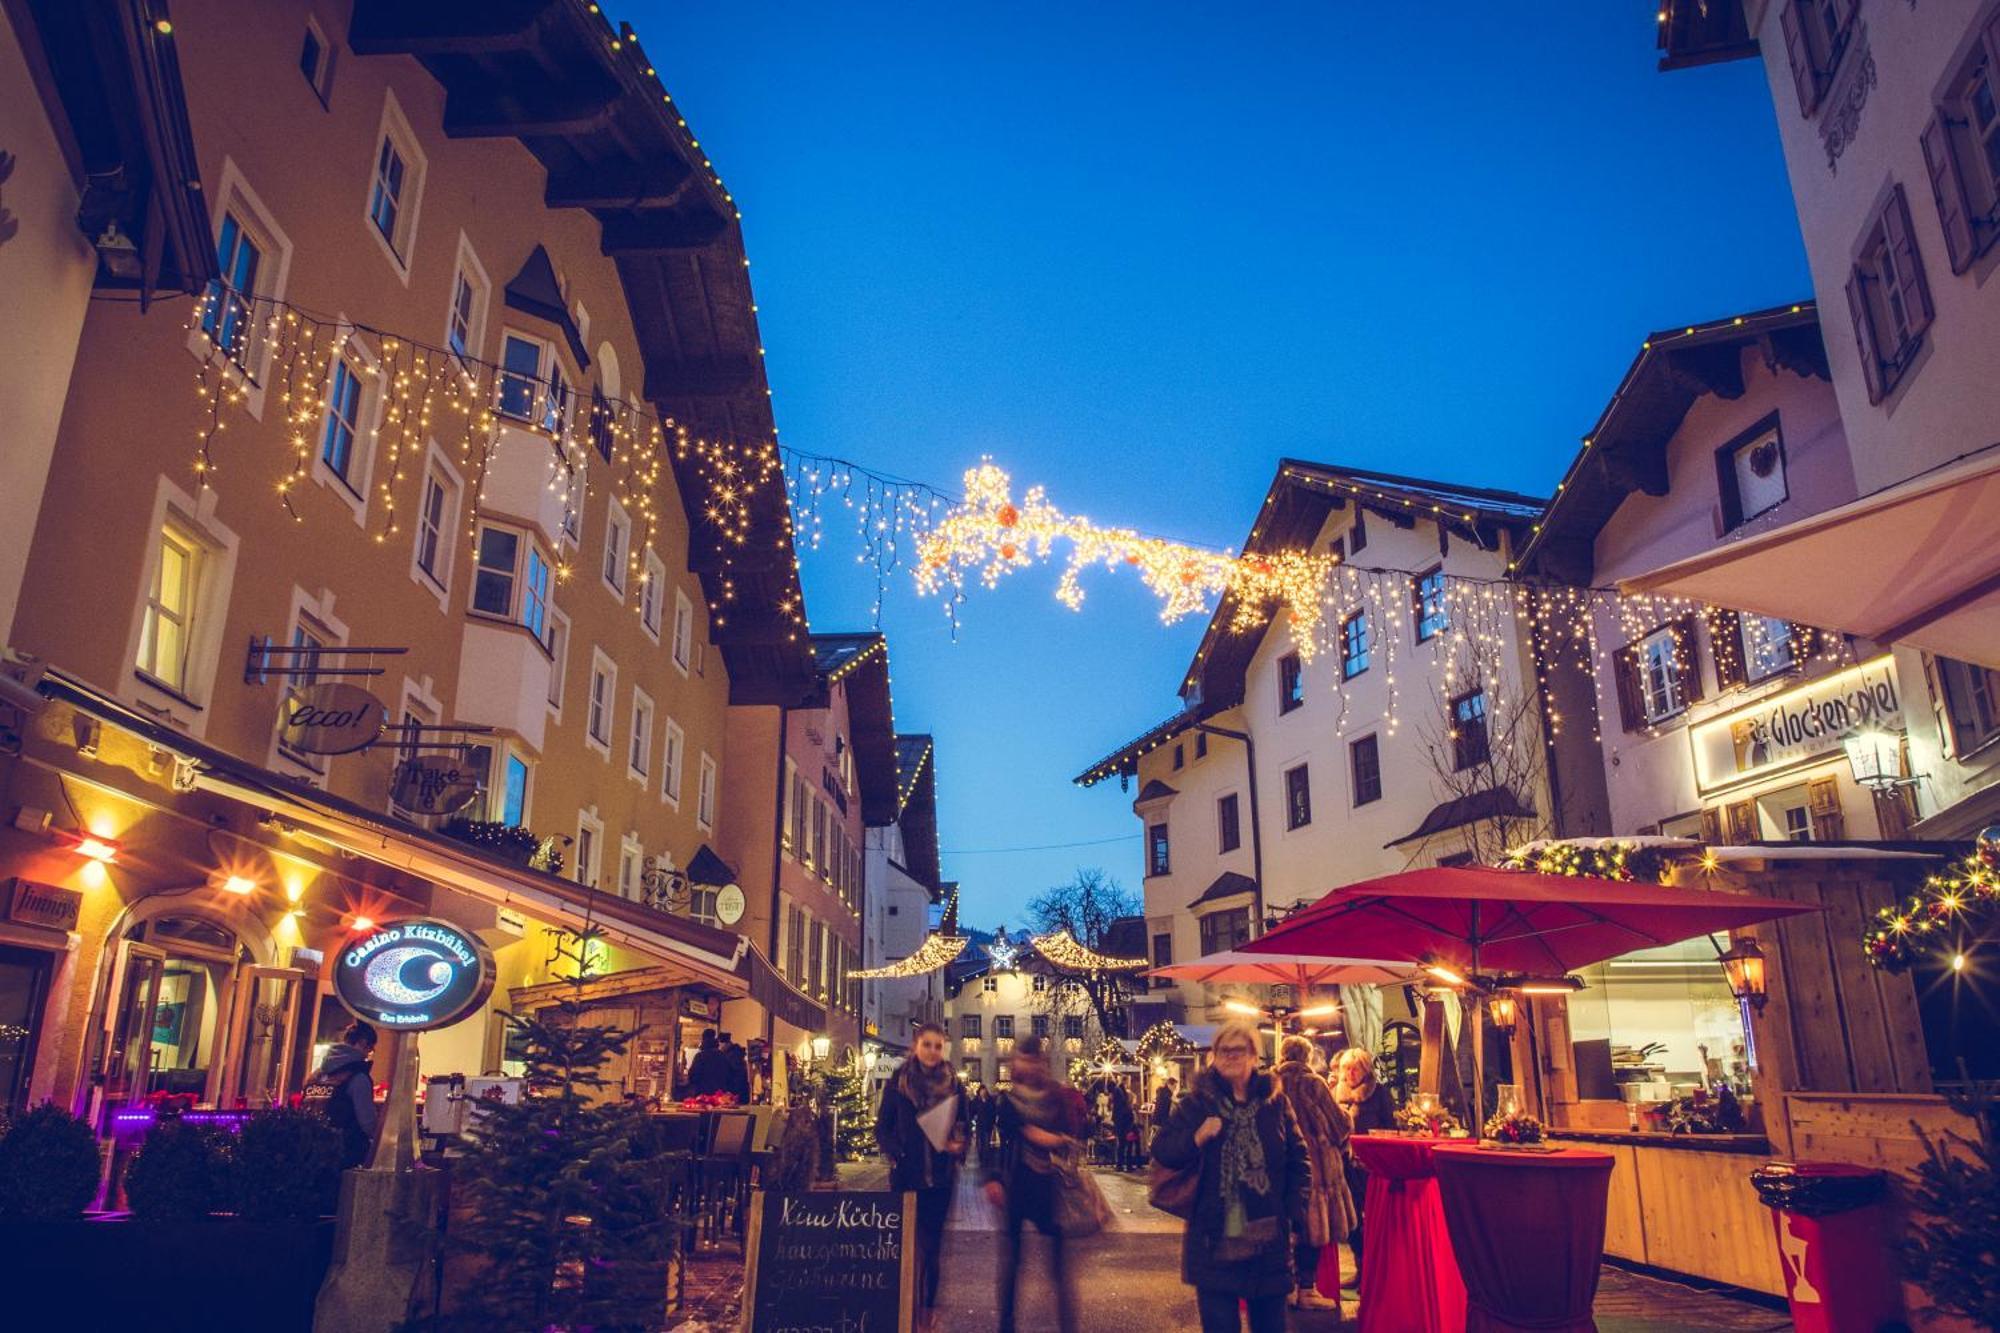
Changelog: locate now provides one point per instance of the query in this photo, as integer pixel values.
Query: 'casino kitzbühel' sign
(414, 975)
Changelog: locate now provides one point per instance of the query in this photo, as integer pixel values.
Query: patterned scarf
(1243, 1166)
(925, 1087)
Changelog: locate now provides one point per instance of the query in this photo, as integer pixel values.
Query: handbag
(1174, 1189)
(1080, 1206)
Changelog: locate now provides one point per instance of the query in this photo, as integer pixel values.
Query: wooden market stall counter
(1684, 1202)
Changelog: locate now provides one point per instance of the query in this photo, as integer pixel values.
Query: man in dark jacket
(1255, 1177)
(735, 1070)
(1037, 1118)
(343, 1091)
(706, 1074)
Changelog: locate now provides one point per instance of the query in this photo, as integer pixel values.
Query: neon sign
(414, 975)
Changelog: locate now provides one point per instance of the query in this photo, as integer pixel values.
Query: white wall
(46, 271)
(1949, 402)
(895, 923)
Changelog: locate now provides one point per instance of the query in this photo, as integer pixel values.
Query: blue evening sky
(1138, 252)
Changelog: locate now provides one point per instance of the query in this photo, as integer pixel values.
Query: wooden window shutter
(1742, 822)
(1864, 332)
(1687, 647)
(1711, 825)
(1625, 674)
(1823, 805)
(1725, 643)
(1892, 813)
(1798, 49)
(1909, 263)
(1948, 188)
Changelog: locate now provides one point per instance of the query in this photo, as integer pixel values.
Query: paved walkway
(1132, 1271)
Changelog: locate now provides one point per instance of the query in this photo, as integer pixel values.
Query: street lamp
(1503, 1010)
(1743, 964)
(1876, 759)
(821, 1044)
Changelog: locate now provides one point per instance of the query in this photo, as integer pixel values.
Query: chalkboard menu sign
(831, 1261)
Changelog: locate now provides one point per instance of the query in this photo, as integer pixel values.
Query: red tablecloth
(1528, 1230)
(1409, 1279)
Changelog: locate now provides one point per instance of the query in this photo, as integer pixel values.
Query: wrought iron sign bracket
(302, 661)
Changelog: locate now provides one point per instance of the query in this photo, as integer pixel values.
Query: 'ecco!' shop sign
(1798, 725)
(414, 975)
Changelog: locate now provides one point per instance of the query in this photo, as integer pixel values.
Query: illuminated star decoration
(1002, 952)
(988, 536)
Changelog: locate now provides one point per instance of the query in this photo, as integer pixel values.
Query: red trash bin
(1833, 1244)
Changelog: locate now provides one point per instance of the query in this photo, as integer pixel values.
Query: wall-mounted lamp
(1743, 964)
(821, 1044)
(1503, 1011)
(1876, 759)
(93, 848)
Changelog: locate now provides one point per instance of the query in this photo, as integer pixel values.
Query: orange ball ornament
(1008, 516)
(1007, 552)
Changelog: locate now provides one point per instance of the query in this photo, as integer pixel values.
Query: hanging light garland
(1163, 1041)
(935, 952)
(1948, 918)
(1061, 948)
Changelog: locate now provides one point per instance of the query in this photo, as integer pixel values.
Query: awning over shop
(783, 1000)
(610, 986)
(1916, 564)
(690, 951)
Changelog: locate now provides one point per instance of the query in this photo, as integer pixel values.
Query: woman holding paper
(921, 1129)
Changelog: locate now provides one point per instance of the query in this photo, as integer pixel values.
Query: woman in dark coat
(1370, 1110)
(1255, 1181)
(923, 1082)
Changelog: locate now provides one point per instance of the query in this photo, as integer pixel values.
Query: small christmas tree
(567, 1211)
(1953, 1252)
(853, 1114)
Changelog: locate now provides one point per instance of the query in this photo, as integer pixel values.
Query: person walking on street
(343, 1092)
(1163, 1107)
(1255, 1177)
(1037, 1117)
(1125, 1128)
(989, 1109)
(1329, 1207)
(919, 1086)
(1370, 1110)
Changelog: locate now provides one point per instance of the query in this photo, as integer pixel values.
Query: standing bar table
(1528, 1230)
(1409, 1277)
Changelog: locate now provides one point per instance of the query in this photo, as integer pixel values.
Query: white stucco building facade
(903, 888)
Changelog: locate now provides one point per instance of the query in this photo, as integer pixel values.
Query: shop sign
(43, 905)
(729, 904)
(704, 1007)
(335, 718)
(1798, 725)
(433, 784)
(414, 975)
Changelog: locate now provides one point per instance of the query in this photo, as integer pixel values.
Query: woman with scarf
(922, 1083)
(1369, 1110)
(1323, 1125)
(1236, 1129)
(1038, 1117)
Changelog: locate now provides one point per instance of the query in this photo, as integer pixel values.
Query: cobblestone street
(1133, 1271)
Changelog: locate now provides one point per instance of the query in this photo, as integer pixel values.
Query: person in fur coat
(1324, 1126)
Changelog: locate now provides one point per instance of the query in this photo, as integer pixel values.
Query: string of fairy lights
(1450, 630)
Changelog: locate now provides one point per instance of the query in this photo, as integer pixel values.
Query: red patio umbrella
(1299, 971)
(1487, 922)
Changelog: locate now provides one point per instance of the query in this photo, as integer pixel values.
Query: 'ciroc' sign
(414, 975)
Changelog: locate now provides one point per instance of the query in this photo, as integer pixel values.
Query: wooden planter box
(115, 1271)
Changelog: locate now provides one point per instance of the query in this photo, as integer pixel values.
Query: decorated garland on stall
(1163, 1041)
(1954, 910)
(1597, 858)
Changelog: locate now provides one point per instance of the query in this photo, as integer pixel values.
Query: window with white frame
(395, 186)
(639, 756)
(512, 580)
(1660, 688)
(631, 864)
(589, 848)
(683, 630)
(617, 546)
(704, 796)
(228, 313)
(1767, 645)
(316, 60)
(471, 289)
(603, 692)
(701, 904)
(168, 625)
(313, 630)
(347, 427)
(531, 384)
(671, 762)
(437, 521)
(415, 729)
(558, 658)
(556, 403)
(652, 593)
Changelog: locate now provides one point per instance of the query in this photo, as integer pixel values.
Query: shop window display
(1658, 1024)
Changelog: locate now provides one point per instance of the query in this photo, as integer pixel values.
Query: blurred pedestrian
(735, 1069)
(1235, 1128)
(1163, 1105)
(920, 1085)
(1125, 1129)
(1370, 1110)
(1329, 1207)
(1038, 1118)
(707, 1075)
